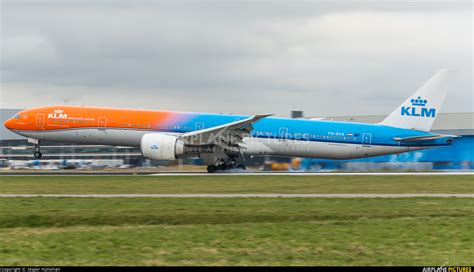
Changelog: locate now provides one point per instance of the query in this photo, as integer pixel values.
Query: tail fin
(420, 110)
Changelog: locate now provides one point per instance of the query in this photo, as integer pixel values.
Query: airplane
(223, 140)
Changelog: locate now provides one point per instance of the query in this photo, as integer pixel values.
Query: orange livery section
(70, 117)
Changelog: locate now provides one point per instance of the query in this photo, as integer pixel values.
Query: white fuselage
(251, 145)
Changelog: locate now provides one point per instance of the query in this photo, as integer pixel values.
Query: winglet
(254, 119)
(257, 117)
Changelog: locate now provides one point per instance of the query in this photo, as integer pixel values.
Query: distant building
(296, 114)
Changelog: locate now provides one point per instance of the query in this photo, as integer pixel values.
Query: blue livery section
(309, 130)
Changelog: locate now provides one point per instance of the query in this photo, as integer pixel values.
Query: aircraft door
(102, 123)
(40, 120)
(366, 139)
(283, 145)
(199, 126)
(283, 134)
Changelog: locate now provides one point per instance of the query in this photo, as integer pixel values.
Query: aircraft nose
(9, 123)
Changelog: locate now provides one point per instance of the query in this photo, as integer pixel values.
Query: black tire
(211, 168)
(37, 155)
(241, 166)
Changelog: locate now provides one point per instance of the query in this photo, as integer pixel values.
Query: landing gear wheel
(37, 154)
(241, 166)
(211, 168)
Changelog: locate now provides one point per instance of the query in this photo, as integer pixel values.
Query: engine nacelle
(158, 146)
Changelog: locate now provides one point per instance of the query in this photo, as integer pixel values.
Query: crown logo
(418, 101)
(58, 111)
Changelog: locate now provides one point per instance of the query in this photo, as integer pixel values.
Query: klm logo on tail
(418, 109)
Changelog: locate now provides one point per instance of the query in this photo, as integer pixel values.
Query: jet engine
(158, 146)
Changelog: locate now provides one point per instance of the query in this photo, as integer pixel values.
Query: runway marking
(237, 195)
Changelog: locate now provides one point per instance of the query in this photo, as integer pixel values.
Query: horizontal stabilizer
(424, 138)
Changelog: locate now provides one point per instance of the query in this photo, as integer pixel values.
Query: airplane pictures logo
(418, 108)
(58, 114)
(154, 146)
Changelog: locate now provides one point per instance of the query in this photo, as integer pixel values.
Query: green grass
(276, 231)
(235, 184)
(251, 231)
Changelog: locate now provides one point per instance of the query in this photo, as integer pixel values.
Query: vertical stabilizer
(420, 110)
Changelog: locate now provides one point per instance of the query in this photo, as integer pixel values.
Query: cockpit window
(17, 116)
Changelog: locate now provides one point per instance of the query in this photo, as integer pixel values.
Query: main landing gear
(222, 165)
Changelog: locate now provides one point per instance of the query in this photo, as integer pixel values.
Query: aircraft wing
(424, 138)
(226, 136)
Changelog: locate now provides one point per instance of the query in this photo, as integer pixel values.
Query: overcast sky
(247, 57)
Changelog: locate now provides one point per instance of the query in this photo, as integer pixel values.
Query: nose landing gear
(37, 154)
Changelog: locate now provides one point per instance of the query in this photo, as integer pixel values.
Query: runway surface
(238, 195)
(316, 174)
(172, 174)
